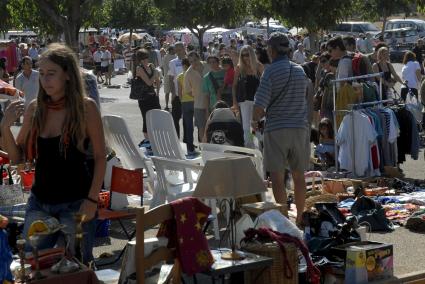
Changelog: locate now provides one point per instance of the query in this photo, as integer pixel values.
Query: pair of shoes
(192, 154)
(167, 108)
(144, 143)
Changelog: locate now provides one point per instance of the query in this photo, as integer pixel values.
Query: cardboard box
(366, 261)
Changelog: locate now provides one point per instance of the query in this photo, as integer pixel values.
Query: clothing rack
(354, 78)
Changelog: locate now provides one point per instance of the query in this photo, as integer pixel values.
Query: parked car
(416, 24)
(354, 28)
(403, 36)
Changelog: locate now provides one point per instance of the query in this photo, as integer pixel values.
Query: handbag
(11, 194)
(317, 100)
(241, 89)
(140, 90)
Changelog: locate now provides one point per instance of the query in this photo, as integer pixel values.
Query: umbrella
(126, 37)
(9, 90)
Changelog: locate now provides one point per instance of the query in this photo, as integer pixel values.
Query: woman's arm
(180, 88)
(395, 75)
(375, 68)
(157, 80)
(418, 75)
(234, 87)
(96, 136)
(260, 68)
(15, 147)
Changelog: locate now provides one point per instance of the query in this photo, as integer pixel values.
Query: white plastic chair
(119, 139)
(163, 136)
(168, 192)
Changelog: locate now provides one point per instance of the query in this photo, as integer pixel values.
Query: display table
(86, 276)
(219, 269)
(236, 268)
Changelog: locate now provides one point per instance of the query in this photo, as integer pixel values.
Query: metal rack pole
(335, 128)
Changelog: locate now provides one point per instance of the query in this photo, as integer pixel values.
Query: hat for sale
(278, 41)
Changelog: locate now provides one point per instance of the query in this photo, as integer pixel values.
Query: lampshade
(229, 177)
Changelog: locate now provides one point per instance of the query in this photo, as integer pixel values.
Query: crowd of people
(268, 94)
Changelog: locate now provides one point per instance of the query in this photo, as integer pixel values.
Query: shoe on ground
(192, 154)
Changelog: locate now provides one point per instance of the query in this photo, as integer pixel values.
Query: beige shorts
(286, 148)
(167, 87)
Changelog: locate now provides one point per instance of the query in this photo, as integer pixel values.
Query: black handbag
(140, 90)
(317, 100)
(241, 89)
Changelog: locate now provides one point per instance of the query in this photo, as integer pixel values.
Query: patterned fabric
(185, 234)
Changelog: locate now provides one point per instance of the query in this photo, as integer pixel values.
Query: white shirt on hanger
(363, 137)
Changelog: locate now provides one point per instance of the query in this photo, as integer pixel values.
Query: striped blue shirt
(290, 109)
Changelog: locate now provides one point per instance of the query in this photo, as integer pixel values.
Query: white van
(416, 24)
(354, 28)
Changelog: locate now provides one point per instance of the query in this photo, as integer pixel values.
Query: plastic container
(102, 228)
(27, 179)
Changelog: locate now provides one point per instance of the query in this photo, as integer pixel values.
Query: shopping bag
(11, 194)
(414, 106)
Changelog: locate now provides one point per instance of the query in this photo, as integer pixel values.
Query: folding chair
(126, 182)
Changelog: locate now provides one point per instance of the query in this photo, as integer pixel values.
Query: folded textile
(185, 234)
(347, 203)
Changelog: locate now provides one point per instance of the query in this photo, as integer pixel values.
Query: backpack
(358, 64)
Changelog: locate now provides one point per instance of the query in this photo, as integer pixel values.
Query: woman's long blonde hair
(74, 128)
(252, 60)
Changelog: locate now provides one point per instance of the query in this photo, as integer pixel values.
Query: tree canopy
(200, 15)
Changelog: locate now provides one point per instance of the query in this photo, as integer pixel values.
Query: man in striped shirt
(281, 98)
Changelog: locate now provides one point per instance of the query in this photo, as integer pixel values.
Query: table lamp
(228, 179)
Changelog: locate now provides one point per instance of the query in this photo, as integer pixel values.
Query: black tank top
(59, 179)
(387, 74)
(252, 83)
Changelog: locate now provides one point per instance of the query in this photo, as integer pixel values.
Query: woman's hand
(15, 110)
(88, 208)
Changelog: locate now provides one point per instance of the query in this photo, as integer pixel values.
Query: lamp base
(233, 255)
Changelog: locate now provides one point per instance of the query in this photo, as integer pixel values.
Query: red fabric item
(375, 157)
(9, 90)
(265, 233)
(229, 76)
(185, 234)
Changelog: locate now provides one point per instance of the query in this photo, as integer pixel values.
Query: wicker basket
(274, 274)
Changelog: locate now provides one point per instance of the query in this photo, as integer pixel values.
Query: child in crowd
(325, 151)
(226, 89)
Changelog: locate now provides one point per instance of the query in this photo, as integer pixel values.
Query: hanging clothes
(408, 141)
(355, 137)
(346, 95)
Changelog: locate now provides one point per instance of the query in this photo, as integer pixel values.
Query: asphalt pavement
(409, 248)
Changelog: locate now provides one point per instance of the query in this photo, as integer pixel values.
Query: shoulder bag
(241, 89)
(140, 90)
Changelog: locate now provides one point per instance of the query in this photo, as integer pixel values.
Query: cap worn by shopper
(279, 41)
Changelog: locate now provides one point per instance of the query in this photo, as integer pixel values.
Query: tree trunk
(314, 42)
(70, 22)
(130, 38)
(268, 26)
(384, 21)
(200, 37)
